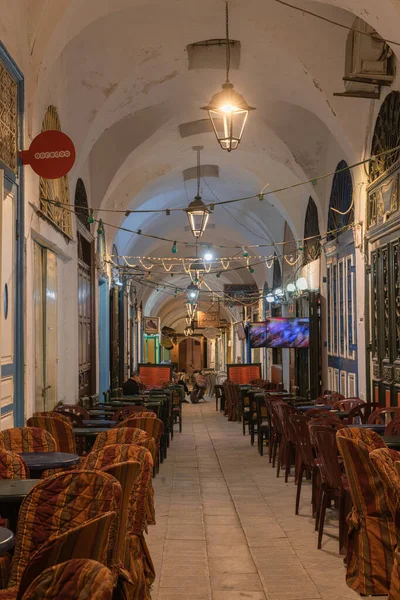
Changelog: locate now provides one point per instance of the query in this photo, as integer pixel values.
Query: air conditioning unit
(369, 62)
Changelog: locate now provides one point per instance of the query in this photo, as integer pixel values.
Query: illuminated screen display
(280, 333)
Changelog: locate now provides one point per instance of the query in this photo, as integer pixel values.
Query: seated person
(133, 385)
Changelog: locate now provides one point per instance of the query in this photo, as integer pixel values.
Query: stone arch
(312, 238)
(341, 200)
(386, 136)
(81, 204)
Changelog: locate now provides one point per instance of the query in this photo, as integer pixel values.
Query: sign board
(155, 375)
(208, 319)
(243, 374)
(151, 325)
(51, 154)
(240, 294)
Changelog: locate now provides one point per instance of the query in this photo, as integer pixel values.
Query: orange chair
(61, 430)
(27, 439)
(153, 427)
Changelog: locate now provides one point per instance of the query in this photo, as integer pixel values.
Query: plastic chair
(77, 579)
(347, 404)
(361, 412)
(393, 427)
(372, 532)
(307, 463)
(329, 399)
(384, 415)
(333, 485)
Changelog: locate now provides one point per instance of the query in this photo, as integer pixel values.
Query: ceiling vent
(205, 171)
(211, 54)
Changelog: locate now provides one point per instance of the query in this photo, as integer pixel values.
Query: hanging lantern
(198, 215)
(192, 292)
(188, 331)
(197, 211)
(228, 110)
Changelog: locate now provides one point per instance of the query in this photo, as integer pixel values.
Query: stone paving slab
(226, 528)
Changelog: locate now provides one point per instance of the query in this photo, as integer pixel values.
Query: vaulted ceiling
(119, 75)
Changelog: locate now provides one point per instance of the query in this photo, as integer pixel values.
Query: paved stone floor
(226, 528)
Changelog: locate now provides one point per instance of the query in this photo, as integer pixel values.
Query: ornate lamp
(197, 212)
(228, 110)
(192, 292)
(188, 331)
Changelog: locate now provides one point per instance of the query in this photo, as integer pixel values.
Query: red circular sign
(51, 154)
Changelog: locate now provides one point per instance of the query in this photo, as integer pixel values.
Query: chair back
(60, 430)
(54, 415)
(146, 414)
(27, 439)
(73, 409)
(120, 435)
(94, 539)
(142, 494)
(303, 440)
(57, 504)
(127, 411)
(329, 399)
(384, 415)
(153, 427)
(347, 404)
(384, 461)
(77, 579)
(393, 427)
(361, 412)
(327, 451)
(284, 411)
(12, 466)
(368, 437)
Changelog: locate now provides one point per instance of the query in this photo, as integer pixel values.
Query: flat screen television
(280, 333)
(241, 333)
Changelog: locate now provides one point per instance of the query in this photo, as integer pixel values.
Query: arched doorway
(383, 243)
(190, 356)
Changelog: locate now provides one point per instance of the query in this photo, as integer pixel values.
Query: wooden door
(85, 317)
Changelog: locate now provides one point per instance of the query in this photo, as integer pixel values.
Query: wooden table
(12, 492)
(42, 461)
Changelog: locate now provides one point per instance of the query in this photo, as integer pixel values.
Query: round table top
(15, 490)
(41, 461)
(6, 539)
(89, 431)
(98, 423)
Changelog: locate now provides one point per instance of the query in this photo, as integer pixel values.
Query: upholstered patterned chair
(61, 431)
(56, 505)
(139, 508)
(12, 466)
(120, 435)
(95, 539)
(153, 427)
(371, 535)
(27, 439)
(384, 461)
(78, 579)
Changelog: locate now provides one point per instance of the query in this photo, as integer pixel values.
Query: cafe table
(98, 423)
(38, 462)
(6, 540)
(392, 442)
(12, 492)
(89, 431)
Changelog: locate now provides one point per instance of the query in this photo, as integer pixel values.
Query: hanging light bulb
(228, 110)
(208, 256)
(301, 284)
(270, 298)
(197, 212)
(100, 229)
(174, 248)
(192, 292)
(245, 253)
(90, 218)
(291, 287)
(279, 292)
(251, 270)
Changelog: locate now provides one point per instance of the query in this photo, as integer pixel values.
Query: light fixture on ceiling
(228, 110)
(197, 211)
(270, 298)
(192, 292)
(208, 256)
(301, 284)
(188, 331)
(291, 287)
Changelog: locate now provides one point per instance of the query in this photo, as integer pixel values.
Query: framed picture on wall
(151, 325)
